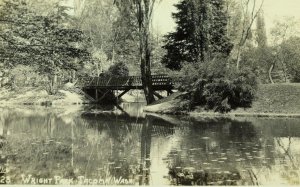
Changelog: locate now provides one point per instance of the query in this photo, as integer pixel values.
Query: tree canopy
(45, 41)
(201, 33)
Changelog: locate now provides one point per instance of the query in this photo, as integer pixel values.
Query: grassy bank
(64, 96)
(39, 96)
(282, 100)
(276, 98)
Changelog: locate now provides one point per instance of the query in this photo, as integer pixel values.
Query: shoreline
(229, 114)
(272, 100)
(278, 100)
(182, 113)
(237, 114)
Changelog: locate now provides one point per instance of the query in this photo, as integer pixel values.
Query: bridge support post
(96, 95)
(158, 95)
(169, 92)
(123, 93)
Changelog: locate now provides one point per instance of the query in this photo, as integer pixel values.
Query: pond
(122, 145)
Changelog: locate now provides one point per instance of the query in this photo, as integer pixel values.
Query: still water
(122, 145)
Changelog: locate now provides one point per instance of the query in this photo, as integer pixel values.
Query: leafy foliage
(125, 36)
(259, 61)
(25, 75)
(30, 38)
(112, 28)
(291, 52)
(261, 35)
(46, 42)
(118, 69)
(215, 88)
(201, 33)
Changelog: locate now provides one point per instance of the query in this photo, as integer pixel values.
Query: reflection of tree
(242, 131)
(204, 154)
(111, 145)
(253, 177)
(69, 146)
(145, 153)
(117, 146)
(287, 150)
(247, 151)
(3, 141)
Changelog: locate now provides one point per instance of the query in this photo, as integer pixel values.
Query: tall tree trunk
(5, 128)
(145, 54)
(73, 79)
(270, 73)
(52, 83)
(98, 71)
(13, 82)
(113, 56)
(238, 58)
(145, 152)
(143, 11)
(284, 71)
(146, 70)
(246, 30)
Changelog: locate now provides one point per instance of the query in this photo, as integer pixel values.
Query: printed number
(7, 180)
(4, 180)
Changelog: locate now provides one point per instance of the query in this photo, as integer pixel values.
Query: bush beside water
(216, 86)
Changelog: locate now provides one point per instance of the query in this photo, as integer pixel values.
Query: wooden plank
(158, 95)
(124, 92)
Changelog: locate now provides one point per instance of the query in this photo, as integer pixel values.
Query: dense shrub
(216, 86)
(118, 69)
(22, 75)
(260, 61)
(290, 55)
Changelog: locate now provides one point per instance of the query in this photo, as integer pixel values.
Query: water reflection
(123, 145)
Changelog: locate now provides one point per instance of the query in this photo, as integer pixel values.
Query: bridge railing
(124, 81)
(161, 80)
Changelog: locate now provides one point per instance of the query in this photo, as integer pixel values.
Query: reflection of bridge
(158, 127)
(147, 127)
(99, 88)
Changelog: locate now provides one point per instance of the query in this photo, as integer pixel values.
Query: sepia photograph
(150, 92)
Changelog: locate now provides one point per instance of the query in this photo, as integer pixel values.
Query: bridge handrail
(105, 81)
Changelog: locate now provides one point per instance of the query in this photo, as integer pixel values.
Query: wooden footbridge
(105, 88)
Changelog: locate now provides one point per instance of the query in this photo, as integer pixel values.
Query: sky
(162, 16)
(273, 9)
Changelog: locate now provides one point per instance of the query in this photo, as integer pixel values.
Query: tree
(113, 31)
(281, 32)
(157, 41)
(43, 41)
(258, 59)
(96, 18)
(118, 69)
(248, 16)
(143, 10)
(125, 41)
(258, 55)
(201, 33)
(220, 42)
(176, 43)
(290, 55)
(261, 35)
